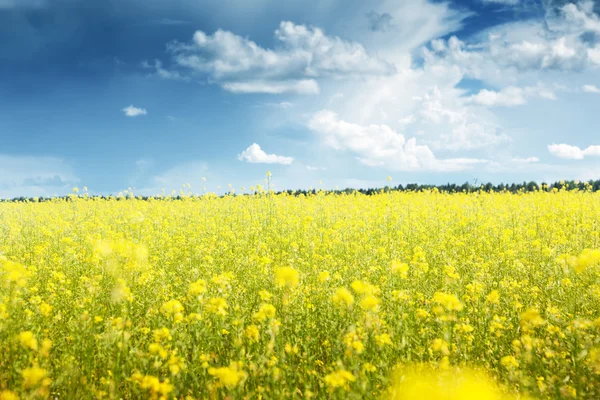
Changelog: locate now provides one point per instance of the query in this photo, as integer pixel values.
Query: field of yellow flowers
(398, 295)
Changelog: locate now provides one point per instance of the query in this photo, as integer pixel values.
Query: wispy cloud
(132, 111)
(168, 21)
(305, 86)
(591, 89)
(35, 176)
(511, 96)
(5, 4)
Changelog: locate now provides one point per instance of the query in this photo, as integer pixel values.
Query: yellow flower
(493, 297)
(264, 312)
(441, 346)
(217, 305)
(8, 395)
(176, 364)
(230, 376)
(400, 268)
(45, 309)
(161, 334)
(157, 349)
(252, 333)
(421, 382)
(287, 276)
(46, 346)
(32, 377)
(383, 339)
(172, 307)
(361, 287)
(339, 378)
(265, 295)
(197, 288)
(121, 291)
(531, 319)
(343, 297)
(587, 259)
(509, 362)
(154, 384)
(449, 301)
(368, 367)
(28, 340)
(370, 303)
(324, 276)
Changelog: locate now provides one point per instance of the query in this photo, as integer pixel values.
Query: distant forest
(591, 186)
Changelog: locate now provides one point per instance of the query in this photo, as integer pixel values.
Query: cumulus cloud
(591, 89)
(510, 96)
(570, 152)
(301, 55)
(524, 46)
(254, 154)
(580, 17)
(132, 111)
(379, 145)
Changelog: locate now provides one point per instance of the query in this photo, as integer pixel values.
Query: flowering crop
(485, 295)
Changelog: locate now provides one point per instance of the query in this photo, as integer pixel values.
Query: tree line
(467, 187)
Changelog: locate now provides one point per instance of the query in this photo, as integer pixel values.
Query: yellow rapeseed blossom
(318, 294)
(8, 395)
(217, 305)
(452, 384)
(229, 377)
(449, 301)
(343, 297)
(264, 312)
(339, 378)
(287, 276)
(28, 340)
(33, 376)
(493, 297)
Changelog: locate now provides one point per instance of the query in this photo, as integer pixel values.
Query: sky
(150, 95)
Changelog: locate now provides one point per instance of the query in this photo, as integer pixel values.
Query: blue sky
(153, 94)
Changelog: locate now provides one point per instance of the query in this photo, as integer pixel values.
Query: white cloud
(458, 127)
(131, 111)
(510, 96)
(164, 73)
(528, 160)
(379, 145)
(34, 176)
(591, 89)
(581, 17)
(505, 52)
(313, 168)
(254, 154)
(570, 152)
(507, 2)
(301, 55)
(305, 86)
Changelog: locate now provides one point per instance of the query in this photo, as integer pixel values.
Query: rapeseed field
(417, 295)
